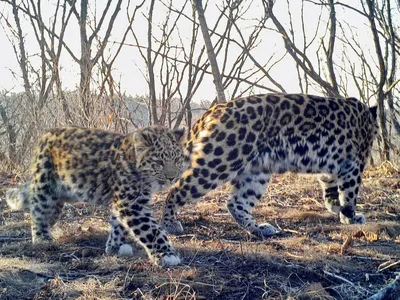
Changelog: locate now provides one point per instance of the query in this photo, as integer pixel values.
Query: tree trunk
(150, 67)
(331, 47)
(85, 62)
(391, 83)
(23, 59)
(210, 51)
(385, 151)
(12, 136)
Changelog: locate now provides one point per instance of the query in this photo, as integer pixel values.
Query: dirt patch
(313, 257)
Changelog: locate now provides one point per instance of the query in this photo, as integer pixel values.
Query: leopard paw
(265, 230)
(359, 219)
(125, 250)
(174, 228)
(169, 260)
(41, 239)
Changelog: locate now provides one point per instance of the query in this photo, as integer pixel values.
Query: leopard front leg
(183, 191)
(137, 217)
(169, 221)
(246, 192)
(194, 183)
(116, 243)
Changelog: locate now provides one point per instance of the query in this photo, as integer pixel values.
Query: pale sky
(129, 66)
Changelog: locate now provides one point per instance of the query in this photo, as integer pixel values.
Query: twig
(390, 214)
(338, 277)
(389, 266)
(293, 231)
(205, 227)
(75, 275)
(389, 290)
(12, 238)
(186, 235)
(245, 294)
(366, 257)
(295, 256)
(239, 242)
(126, 276)
(189, 281)
(277, 225)
(221, 215)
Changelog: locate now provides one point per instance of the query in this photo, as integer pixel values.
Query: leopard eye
(159, 162)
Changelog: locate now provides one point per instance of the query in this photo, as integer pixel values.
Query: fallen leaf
(346, 245)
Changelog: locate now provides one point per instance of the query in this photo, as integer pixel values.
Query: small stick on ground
(367, 258)
(240, 242)
(293, 231)
(12, 238)
(338, 277)
(389, 266)
(388, 292)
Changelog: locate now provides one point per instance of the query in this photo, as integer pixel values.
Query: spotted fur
(246, 140)
(103, 168)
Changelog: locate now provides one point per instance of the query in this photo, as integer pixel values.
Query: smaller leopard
(244, 141)
(101, 167)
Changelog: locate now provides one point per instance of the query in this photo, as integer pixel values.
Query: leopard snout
(170, 171)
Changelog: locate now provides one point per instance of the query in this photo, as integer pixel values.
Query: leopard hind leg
(330, 191)
(349, 181)
(45, 202)
(45, 211)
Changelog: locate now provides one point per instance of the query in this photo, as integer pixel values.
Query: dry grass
(313, 257)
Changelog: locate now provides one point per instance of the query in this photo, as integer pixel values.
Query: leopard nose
(170, 171)
(170, 178)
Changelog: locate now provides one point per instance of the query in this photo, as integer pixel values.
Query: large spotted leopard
(246, 140)
(100, 167)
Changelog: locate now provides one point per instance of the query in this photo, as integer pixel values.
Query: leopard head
(159, 155)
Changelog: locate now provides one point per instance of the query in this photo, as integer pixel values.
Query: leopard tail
(18, 198)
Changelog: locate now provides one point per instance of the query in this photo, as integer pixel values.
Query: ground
(313, 257)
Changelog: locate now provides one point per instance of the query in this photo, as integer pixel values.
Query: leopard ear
(141, 141)
(128, 151)
(374, 111)
(179, 134)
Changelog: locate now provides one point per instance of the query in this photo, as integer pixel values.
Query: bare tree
(394, 47)
(38, 78)
(178, 61)
(156, 52)
(233, 11)
(300, 58)
(385, 155)
(87, 60)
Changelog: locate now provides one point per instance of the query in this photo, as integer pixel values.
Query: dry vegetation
(312, 258)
